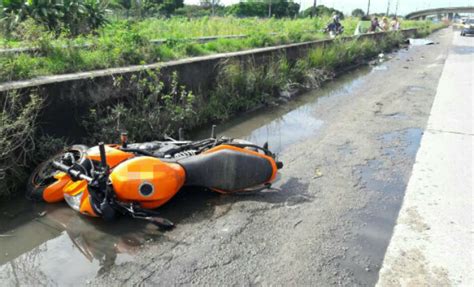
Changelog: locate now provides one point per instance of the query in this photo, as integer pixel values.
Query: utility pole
(270, 9)
(313, 11)
(388, 8)
(396, 8)
(368, 8)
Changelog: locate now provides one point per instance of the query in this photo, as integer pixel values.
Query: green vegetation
(126, 42)
(425, 30)
(20, 144)
(321, 11)
(152, 109)
(274, 8)
(359, 13)
(76, 16)
(147, 111)
(151, 106)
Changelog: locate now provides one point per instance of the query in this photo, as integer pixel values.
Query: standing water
(51, 244)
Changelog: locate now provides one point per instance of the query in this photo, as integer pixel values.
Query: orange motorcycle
(133, 179)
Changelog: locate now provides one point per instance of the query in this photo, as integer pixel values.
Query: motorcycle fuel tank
(114, 155)
(147, 180)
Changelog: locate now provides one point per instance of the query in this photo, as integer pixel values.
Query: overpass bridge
(449, 11)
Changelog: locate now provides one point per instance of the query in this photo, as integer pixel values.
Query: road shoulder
(432, 241)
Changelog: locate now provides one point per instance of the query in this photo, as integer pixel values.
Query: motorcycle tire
(43, 175)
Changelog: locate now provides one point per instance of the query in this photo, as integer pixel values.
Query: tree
(322, 10)
(77, 16)
(358, 13)
(163, 7)
(275, 8)
(211, 4)
(127, 5)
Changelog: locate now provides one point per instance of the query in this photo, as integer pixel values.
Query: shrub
(147, 112)
(17, 142)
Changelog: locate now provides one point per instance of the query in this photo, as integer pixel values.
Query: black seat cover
(227, 170)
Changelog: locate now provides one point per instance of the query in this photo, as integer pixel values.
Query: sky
(346, 6)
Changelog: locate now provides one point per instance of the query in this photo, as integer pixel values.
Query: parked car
(468, 27)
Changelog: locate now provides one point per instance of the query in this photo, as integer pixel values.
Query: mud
(348, 151)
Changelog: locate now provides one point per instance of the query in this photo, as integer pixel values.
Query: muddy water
(387, 185)
(289, 123)
(52, 244)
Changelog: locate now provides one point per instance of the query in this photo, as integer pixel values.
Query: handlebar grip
(71, 172)
(103, 159)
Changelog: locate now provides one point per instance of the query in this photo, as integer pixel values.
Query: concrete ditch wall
(69, 96)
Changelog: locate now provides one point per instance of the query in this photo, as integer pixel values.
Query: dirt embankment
(339, 195)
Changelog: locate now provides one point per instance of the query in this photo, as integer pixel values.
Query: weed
(147, 112)
(17, 138)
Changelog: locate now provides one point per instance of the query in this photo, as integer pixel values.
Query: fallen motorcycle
(134, 179)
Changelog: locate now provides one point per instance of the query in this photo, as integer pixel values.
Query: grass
(127, 42)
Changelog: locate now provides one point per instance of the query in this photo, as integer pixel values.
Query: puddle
(290, 123)
(420, 42)
(374, 227)
(386, 183)
(380, 68)
(415, 89)
(35, 249)
(402, 143)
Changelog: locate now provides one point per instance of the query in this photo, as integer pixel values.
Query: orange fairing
(55, 191)
(86, 206)
(80, 187)
(239, 149)
(114, 155)
(148, 180)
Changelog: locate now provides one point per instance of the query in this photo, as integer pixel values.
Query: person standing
(395, 24)
(374, 24)
(385, 25)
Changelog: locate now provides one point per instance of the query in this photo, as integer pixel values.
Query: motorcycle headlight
(74, 201)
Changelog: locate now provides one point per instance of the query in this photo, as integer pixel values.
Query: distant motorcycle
(334, 29)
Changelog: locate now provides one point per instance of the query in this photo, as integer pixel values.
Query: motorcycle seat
(227, 170)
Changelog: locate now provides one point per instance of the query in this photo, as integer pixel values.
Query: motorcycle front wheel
(43, 175)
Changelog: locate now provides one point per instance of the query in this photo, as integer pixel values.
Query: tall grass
(128, 43)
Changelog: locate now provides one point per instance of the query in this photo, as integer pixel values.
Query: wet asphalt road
(348, 151)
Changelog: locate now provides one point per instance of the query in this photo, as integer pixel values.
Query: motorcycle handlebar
(70, 171)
